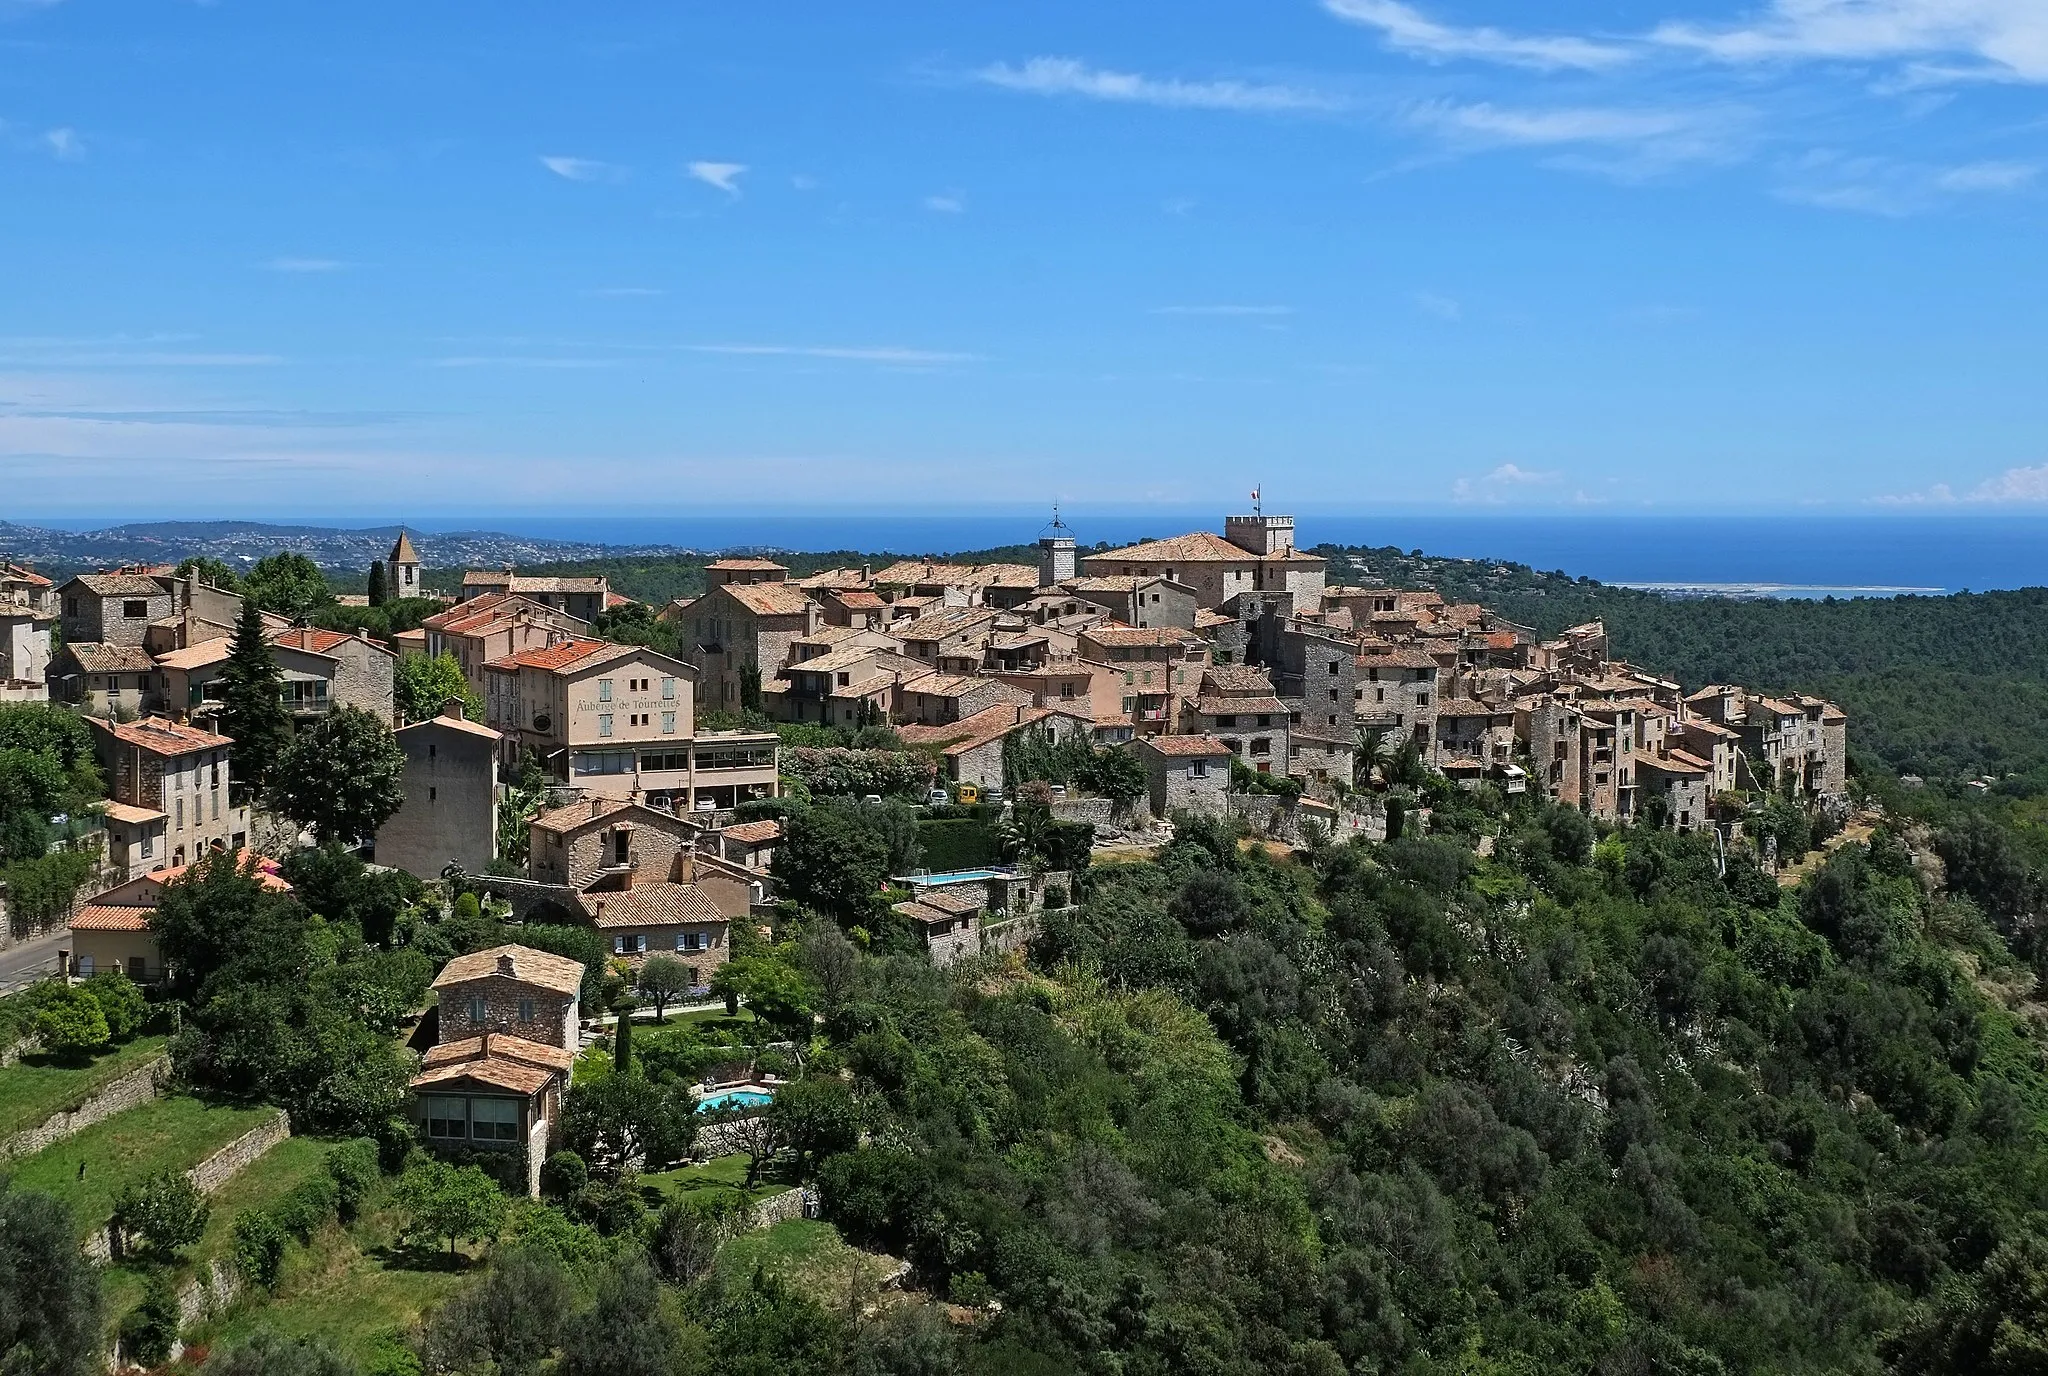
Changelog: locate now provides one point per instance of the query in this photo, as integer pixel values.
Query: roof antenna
(1057, 523)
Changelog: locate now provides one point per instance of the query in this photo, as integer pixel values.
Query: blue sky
(394, 260)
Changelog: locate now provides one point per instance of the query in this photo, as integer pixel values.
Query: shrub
(353, 1166)
(166, 1211)
(563, 1174)
(259, 1248)
(149, 1329)
(307, 1208)
(971, 1288)
(121, 1003)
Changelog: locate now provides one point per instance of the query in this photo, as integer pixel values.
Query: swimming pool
(733, 1098)
(955, 877)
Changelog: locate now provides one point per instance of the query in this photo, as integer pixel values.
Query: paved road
(30, 960)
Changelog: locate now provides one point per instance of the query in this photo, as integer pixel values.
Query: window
(1333, 666)
(668, 723)
(476, 1011)
(433, 795)
(494, 1120)
(654, 763)
(668, 688)
(1262, 747)
(181, 814)
(604, 690)
(526, 1010)
(689, 941)
(148, 845)
(628, 944)
(447, 1117)
(604, 723)
(135, 610)
(1199, 769)
(1226, 721)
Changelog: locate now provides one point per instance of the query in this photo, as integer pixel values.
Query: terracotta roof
(559, 973)
(969, 733)
(1134, 635)
(263, 867)
(945, 623)
(162, 736)
(1206, 619)
(574, 815)
(851, 657)
(197, 656)
(945, 685)
(403, 552)
(313, 639)
(463, 724)
(97, 658)
(486, 578)
(1186, 745)
(1708, 728)
(1237, 678)
(857, 597)
(121, 584)
(1213, 705)
(651, 905)
(497, 1071)
(15, 573)
(1196, 547)
(747, 565)
(133, 816)
(1688, 759)
(406, 640)
(754, 833)
(1466, 707)
(1402, 658)
(1501, 640)
(505, 1044)
(768, 599)
(566, 654)
(834, 578)
(105, 917)
(947, 901)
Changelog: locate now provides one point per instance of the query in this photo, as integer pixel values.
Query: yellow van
(970, 794)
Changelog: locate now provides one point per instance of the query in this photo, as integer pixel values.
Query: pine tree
(252, 701)
(377, 590)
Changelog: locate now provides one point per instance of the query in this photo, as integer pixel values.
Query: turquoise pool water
(733, 1098)
(955, 876)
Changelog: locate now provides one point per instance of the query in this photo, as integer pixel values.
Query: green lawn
(174, 1133)
(36, 1087)
(720, 1175)
(350, 1288)
(809, 1256)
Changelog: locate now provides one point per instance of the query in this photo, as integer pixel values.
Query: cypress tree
(252, 701)
(377, 590)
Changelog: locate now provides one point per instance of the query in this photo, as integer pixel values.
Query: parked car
(706, 805)
(872, 798)
(1059, 792)
(937, 797)
(992, 794)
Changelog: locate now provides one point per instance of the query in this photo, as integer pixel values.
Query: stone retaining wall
(210, 1174)
(720, 1139)
(138, 1086)
(1101, 812)
(1011, 935)
(776, 1208)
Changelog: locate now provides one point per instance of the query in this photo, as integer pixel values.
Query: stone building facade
(1185, 774)
(530, 994)
(450, 810)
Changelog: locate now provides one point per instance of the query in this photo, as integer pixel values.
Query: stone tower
(1055, 553)
(402, 569)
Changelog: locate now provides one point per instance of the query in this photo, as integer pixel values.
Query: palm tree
(1374, 751)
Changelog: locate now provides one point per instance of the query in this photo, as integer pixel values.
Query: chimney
(596, 807)
(483, 1040)
(505, 962)
(455, 709)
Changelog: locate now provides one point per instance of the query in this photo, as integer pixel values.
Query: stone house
(27, 602)
(495, 626)
(1159, 665)
(516, 989)
(750, 845)
(855, 607)
(845, 687)
(1186, 774)
(1140, 601)
(1394, 692)
(1320, 759)
(1716, 744)
(971, 749)
(1072, 684)
(720, 572)
(937, 699)
(1682, 781)
(950, 640)
(581, 843)
(362, 672)
(450, 810)
(111, 608)
(1474, 736)
(583, 598)
(1254, 553)
(104, 680)
(171, 783)
(642, 920)
(737, 628)
(1554, 727)
(494, 1092)
(950, 924)
(1237, 705)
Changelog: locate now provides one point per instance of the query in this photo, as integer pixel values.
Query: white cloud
(1223, 310)
(1999, 39)
(951, 204)
(64, 144)
(1442, 307)
(2026, 486)
(1409, 30)
(864, 354)
(1988, 176)
(723, 175)
(1064, 76)
(1498, 485)
(1492, 123)
(583, 169)
(304, 265)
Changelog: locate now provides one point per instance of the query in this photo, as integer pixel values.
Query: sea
(1738, 555)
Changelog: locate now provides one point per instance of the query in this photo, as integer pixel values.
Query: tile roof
(498, 1071)
(1402, 657)
(947, 901)
(197, 656)
(1466, 707)
(834, 578)
(505, 1044)
(969, 733)
(15, 573)
(512, 582)
(566, 654)
(1196, 547)
(161, 736)
(754, 833)
(1211, 705)
(121, 584)
(857, 597)
(559, 973)
(261, 867)
(1206, 619)
(574, 815)
(768, 599)
(462, 724)
(133, 816)
(402, 552)
(924, 912)
(97, 658)
(1186, 746)
(651, 905)
(747, 565)
(946, 685)
(106, 917)
(945, 623)
(1237, 678)
(853, 656)
(1134, 635)
(312, 639)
